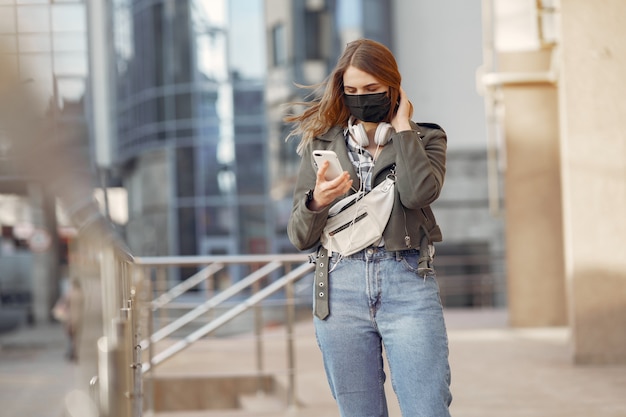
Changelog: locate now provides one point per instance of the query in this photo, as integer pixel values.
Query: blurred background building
(191, 143)
(192, 94)
(46, 42)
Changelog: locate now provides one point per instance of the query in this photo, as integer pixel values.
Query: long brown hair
(322, 113)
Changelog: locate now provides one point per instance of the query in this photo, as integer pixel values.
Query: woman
(386, 294)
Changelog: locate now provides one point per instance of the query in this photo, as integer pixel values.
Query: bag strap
(425, 261)
(321, 309)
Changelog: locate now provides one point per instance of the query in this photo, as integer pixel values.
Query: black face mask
(368, 107)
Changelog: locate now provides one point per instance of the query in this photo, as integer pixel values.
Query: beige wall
(535, 276)
(566, 183)
(593, 159)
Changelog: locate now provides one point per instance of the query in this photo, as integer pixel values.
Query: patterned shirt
(363, 162)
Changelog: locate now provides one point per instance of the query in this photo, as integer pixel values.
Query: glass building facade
(46, 42)
(191, 142)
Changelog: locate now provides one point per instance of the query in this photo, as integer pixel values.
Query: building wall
(593, 161)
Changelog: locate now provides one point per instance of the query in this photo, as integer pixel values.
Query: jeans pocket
(411, 263)
(411, 260)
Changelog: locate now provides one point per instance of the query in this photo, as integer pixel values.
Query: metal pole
(291, 356)
(161, 287)
(121, 372)
(150, 330)
(100, 52)
(258, 337)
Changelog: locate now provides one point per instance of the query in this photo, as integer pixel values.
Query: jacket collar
(332, 134)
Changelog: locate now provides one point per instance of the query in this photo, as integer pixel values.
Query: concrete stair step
(207, 392)
(235, 355)
(326, 411)
(261, 402)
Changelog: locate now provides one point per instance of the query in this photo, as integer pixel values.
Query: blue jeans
(377, 299)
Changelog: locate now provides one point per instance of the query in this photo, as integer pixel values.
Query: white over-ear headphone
(358, 133)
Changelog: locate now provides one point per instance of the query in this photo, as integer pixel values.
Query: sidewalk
(496, 371)
(34, 374)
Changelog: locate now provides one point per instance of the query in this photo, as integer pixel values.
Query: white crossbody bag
(358, 221)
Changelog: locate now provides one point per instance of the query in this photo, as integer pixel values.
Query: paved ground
(34, 376)
(496, 371)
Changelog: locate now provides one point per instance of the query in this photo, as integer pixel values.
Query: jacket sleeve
(305, 226)
(420, 164)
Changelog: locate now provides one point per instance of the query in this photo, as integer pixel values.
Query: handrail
(229, 315)
(186, 285)
(211, 303)
(227, 259)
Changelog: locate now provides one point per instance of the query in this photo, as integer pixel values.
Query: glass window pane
(68, 63)
(8, 43)
(250, 169)
(211, 168)
(187, 230)
(70, 42)
(33, 19)
(34, 43)
(10, 61)
(37, 67)
(7, 20)
(68, 18)
(186, 181)
(312, 38)
(70, 90)
(218, 221)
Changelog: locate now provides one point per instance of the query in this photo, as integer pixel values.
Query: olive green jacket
(419, 158)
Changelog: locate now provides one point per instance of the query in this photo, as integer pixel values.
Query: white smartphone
(334, 169)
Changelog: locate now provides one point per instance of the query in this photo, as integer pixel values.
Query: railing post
(113, 380)
(136, 394)
(122, 363)
(111, 297)
(291, 356)
(150, 331)
(258, 337)
(161, 287)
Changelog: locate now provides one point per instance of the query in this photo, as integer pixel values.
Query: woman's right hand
(404, 113)
(325, 192)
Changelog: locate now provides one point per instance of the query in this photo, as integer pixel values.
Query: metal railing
(126, 295)
(290, 268)
(110, 380)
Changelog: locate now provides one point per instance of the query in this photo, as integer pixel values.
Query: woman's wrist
(402, 126)
(311, 204)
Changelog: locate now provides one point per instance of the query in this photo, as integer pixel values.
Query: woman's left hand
(400, 121)
(325, 192)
